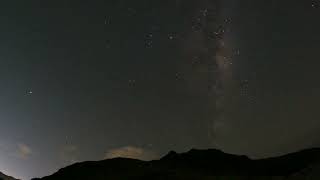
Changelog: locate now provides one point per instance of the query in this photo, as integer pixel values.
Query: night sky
(88, 80)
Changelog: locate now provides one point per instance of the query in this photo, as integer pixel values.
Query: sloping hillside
(194, 164)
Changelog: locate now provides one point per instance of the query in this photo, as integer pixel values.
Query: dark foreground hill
(197, 164)
(5, 177)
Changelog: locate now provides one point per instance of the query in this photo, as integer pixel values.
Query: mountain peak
(170, 155)
(198, 164)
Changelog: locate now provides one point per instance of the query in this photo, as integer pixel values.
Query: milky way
(210, 73)
(88, 80)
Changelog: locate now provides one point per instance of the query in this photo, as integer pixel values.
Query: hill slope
(195, 164)
(5, 177)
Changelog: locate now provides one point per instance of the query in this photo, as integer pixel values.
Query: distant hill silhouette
(196, 164)
(5, 177)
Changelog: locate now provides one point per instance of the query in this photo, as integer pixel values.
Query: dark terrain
(197, 164)
(5, 177)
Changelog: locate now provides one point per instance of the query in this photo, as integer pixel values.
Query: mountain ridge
(6, 177)
(194, 164)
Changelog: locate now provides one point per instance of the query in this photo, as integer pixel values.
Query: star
(29, 92)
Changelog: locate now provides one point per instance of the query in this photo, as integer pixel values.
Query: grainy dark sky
(87, 80)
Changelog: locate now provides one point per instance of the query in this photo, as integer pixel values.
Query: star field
(92, 80)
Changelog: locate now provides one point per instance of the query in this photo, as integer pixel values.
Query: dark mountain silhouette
(5, 177)
(195, 164)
